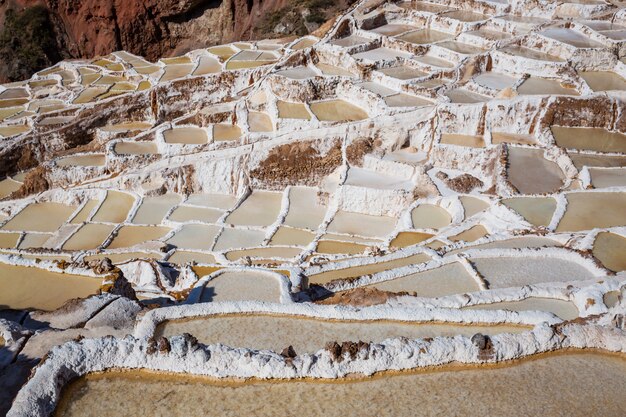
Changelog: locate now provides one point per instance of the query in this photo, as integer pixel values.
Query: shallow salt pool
(275, 332)
(576, 385)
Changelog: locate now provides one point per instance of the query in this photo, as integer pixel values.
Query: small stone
(163, 345)
(334, 349)
(151, 348)
(289, 352)
(480, 341)
(102, 266)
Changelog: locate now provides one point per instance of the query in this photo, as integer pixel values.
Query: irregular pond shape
(352, 223)
(115, 207)
(239, 238)
(505, 272)
(604, 80)
(220, 201)
(610, 249)
(9, 240)
(337, 111)
(586, 211)
(471, 234)
(472, 205)
(565, 310)
(544, 86)
(136, 148)
(531, 173)
(260, 209)
(513, 243)
(372, 268)
(269, 252)
(608, 177)
(260, 122)
(448, 279)
(182, 257)
(575, 385)
(40, 217)
(85, 213)
(536, 210)
(425, 36)
(334, 247)
(128, 236)
(611, 298)
(201, 214)
(186, 135)
(35, 288)
(89, 236)
(152, 210)
(122, 257)
(463, 140)
(290, 236)
(7, 186)
(593, 139)
(225, 132)
(581, 159)
(404, 239)
(430, 216)
(275, 332)
(195, 236)
(287, 110)
(239, 285)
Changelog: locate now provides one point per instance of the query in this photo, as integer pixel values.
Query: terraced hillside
(430, 186)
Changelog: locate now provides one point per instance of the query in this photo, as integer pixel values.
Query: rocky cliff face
(151, 28)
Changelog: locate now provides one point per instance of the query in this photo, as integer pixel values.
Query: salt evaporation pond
(36, 288)
(274, 332)
(531, 173)
(245, 285)
(563, 309)
(449, 279)
(571, 384)
(586, 211)
(592, 139)
(40, 217)
(371, 268)
(506, 272)
(535, 210)
(610, 249)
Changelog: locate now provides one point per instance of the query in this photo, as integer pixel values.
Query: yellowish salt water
(40, 217)
(35, 288)
(586, 211)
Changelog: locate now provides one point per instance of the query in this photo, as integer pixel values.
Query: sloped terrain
(426, 184)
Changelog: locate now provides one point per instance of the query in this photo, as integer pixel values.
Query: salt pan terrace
(423, 184)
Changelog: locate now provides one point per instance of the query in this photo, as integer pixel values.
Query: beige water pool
(241, 285)
(337, 111)
(115, 207)
(586, 211)
(25, 288)
(576, 385)
(186, 135)
(449, 279)
(260, 209)
(531, 173)
(275, 332)
(536, 210)
(429, 216)
(372, 268)
(593, 139)
(610, 249)
(287, 110)
(561, 308)
(40, 217)
(504, 272)
(89, 236)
